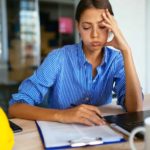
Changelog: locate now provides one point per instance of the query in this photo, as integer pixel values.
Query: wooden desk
(29, 139)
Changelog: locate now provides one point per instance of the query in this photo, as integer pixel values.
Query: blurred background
(30, 29)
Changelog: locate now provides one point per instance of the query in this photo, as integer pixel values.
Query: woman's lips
(96, 43)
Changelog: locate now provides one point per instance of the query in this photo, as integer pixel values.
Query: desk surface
(29, 139)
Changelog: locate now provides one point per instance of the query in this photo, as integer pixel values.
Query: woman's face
(94, 35)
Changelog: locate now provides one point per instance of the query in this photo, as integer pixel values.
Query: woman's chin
(96, 48)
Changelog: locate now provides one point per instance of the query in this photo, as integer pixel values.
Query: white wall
(132, 19)
(148, 47)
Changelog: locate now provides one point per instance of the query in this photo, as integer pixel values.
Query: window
(23, 33)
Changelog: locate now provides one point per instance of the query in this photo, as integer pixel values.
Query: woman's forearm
(133, 98)
(83, 114)
(26, 111)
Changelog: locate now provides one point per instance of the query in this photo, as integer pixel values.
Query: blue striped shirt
(66, 77)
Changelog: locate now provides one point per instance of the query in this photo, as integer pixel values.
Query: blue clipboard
(69, 142)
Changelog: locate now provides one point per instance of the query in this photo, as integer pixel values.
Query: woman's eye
(86, 28)
(102, 27)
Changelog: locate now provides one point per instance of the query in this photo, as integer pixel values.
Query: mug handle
(132, 135)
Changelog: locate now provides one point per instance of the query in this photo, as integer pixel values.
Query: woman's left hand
(118, 40)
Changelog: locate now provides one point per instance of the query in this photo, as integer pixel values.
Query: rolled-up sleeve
(119, 80)
(32, 90)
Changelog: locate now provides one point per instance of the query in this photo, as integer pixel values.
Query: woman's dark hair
(86, 4)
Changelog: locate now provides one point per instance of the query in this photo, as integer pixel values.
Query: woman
(82, 75)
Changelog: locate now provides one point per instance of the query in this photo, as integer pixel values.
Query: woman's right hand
(83, 114)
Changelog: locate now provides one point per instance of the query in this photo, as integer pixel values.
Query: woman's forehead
(92, 15)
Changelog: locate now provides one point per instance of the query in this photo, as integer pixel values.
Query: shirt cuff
(20, 98)
(12, 101)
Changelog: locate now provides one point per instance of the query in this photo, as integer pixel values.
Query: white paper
(59, 134)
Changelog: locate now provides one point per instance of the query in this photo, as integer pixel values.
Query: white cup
(146, 131)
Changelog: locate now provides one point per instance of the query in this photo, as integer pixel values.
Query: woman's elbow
(12, 110)
(135, 108)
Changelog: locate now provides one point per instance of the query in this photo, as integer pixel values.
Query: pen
(118, 128)
(101, 117)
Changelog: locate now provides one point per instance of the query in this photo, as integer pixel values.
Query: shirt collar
(105, 56)
(82, 57)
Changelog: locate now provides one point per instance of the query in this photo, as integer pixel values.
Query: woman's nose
(94, 33)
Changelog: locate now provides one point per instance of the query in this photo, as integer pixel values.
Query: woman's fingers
(83, 114)
(109, 16)
(92, 117)
(92, 108)
(106, 19)
(109, 21)
(88, 113)
(85, 122)
(108, 26)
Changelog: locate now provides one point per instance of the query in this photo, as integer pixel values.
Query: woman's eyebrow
(89, 23)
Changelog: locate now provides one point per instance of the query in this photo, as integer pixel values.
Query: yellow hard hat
(6, 134)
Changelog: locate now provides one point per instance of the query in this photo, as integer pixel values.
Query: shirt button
(87, 99)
